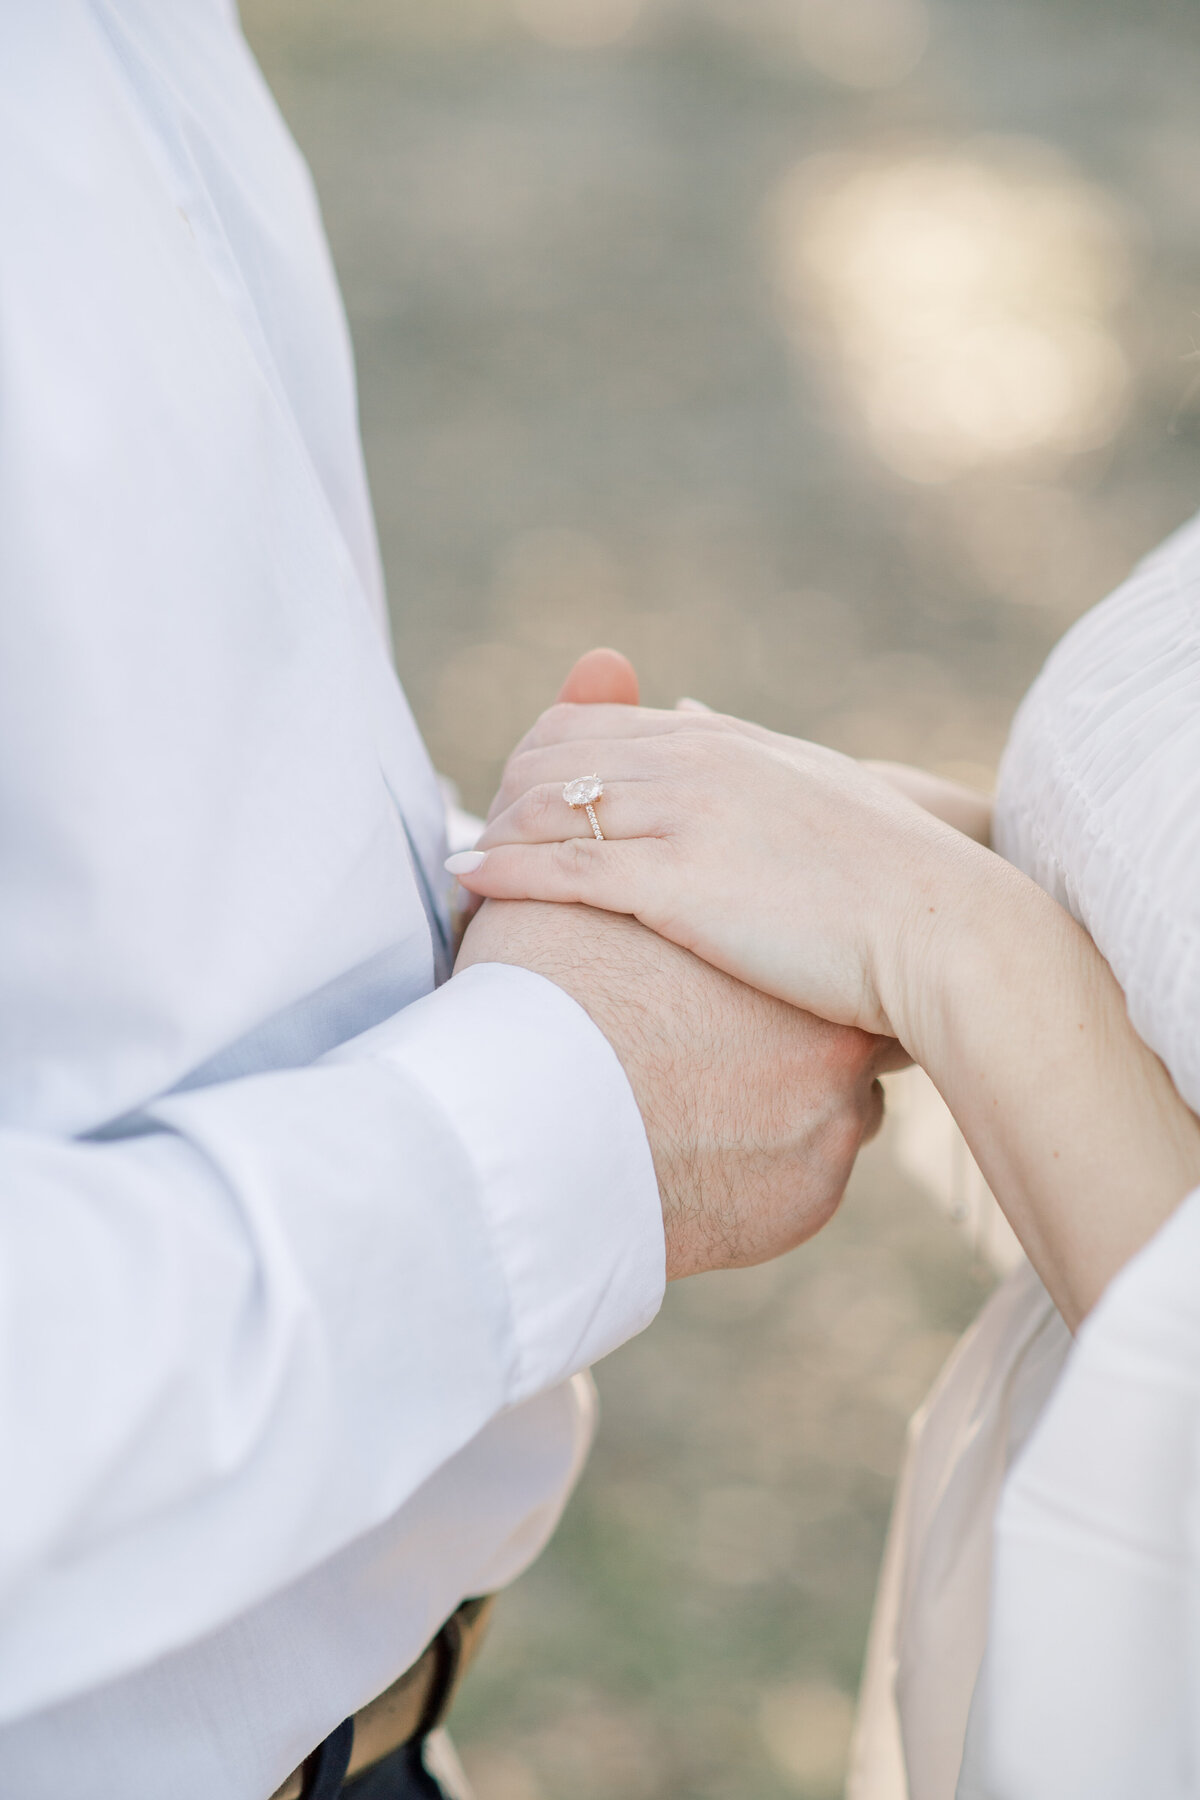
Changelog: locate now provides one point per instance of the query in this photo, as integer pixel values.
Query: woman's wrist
(1022, 1027)
(949, 942)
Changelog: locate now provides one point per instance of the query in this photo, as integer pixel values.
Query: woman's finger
(564, 722)
(609, 759)
(540, 815)
(581, 871)
(588, 727)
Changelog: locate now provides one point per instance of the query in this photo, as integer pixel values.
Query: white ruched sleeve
(1090, 1687)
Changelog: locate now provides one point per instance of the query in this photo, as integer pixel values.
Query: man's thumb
(601, 677)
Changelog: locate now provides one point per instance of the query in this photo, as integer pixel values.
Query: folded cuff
(543, 1110)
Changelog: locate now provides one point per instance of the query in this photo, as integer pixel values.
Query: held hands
(842, 890)
(789, 866)
(754, 1112)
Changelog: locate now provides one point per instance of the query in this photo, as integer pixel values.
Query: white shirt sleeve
(230, 1347)
(253, 1296)
(1090, 1688)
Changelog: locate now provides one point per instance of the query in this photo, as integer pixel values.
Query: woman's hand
(812, 878)
(785, 864)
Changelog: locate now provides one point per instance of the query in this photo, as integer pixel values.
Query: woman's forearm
(1074, 1122)
(800, 873)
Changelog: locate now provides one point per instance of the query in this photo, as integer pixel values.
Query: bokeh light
(806, 1726)
(967, 297)
(863, 43)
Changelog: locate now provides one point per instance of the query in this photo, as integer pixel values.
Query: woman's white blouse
(1037, 1626)
(1099, 793)
(1090, 1687)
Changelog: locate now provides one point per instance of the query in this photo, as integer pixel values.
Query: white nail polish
(465, 862)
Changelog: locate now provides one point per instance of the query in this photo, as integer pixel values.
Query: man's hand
(754, 1111)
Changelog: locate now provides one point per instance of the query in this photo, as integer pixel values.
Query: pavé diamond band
(584, 791)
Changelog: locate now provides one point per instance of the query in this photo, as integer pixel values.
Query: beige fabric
(931, 1610)
(441, 1759)
(1091, 1688)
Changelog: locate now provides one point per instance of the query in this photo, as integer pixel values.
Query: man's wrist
(600, 983)
(566, 1182)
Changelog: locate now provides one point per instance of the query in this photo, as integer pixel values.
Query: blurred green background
(830, 357)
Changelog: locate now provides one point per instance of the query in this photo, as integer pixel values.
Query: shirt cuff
(543, 1110)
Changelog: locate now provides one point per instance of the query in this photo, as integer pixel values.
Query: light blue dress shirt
(298, 1256)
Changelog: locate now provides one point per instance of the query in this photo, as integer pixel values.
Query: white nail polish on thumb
(465, 862)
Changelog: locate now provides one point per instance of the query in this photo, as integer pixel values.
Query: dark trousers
(400, 1776)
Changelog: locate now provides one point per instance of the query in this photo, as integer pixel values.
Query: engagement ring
(584, 791)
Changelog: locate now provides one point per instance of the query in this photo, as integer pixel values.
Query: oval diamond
(583, 790)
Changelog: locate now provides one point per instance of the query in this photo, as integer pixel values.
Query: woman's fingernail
(465, 862)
